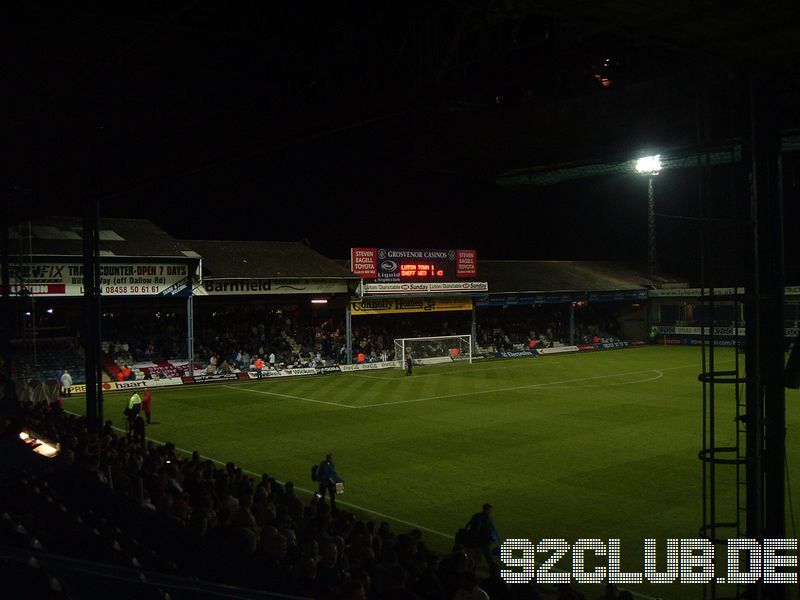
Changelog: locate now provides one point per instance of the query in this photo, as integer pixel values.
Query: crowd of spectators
(506, 328)
(142, 337)
(196, 518)
(238, 336)
(233, 339)
(321, 339)
(375, 337)
(324, 336)
(225, 340)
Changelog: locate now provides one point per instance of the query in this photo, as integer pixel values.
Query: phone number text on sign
(132, 289)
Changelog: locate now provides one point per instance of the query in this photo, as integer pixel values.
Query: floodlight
(649, 165)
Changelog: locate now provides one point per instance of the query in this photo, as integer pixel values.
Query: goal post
(434, 350)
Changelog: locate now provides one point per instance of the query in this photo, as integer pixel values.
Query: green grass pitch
(568, 446)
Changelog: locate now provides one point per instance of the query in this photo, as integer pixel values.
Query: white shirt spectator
(66, 380)
(271, 359)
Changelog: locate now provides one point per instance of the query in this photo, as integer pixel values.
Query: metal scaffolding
(743, 421)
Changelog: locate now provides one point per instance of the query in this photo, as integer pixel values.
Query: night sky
(356, 126)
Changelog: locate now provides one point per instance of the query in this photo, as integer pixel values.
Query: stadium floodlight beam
(650, 166)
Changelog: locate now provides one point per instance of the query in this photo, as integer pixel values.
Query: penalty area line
(289, 396)
(394, 378)
(645, 380)
(523, 387)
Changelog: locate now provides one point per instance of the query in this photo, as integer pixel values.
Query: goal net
(434, 350)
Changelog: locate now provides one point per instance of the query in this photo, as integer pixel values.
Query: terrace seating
(161, 369)
(51, 357)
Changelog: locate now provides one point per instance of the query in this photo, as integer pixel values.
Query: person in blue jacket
(484, 533)
(328, 478)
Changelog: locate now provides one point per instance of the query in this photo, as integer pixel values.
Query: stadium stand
(236, 338)
(253, 300)
(52, 356)
(111, 367)
(162, 369)
(514, 327)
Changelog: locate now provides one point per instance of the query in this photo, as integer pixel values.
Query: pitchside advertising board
(563, 298)
(789, 290)
(249, 287)
(57, 279)
(388, 306)
(722, 336)
(426, 287)
(398, 265)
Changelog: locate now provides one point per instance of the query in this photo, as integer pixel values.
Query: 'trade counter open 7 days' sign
(396, 265)
(117, 279)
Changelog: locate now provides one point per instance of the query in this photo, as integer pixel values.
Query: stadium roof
(63, 236)
(512, 276)
(516, 276)
(253, 259)
(139, 238)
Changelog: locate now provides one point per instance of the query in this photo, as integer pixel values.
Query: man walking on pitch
(147, 404)
(66, 383)
(134, 405)
(484, 533)
(409, 364)
(328, 478)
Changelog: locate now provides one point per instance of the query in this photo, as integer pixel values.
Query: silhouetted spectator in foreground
(468, 588)
(138, 429)
(353, 590)
(566, 592)
(396, 588)
(611, 593)
(329, 574)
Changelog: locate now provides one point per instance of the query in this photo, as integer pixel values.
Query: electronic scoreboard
(396, 265)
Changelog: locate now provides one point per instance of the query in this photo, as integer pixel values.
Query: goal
(434, 350)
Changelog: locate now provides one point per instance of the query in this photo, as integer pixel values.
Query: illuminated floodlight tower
(650, 166)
